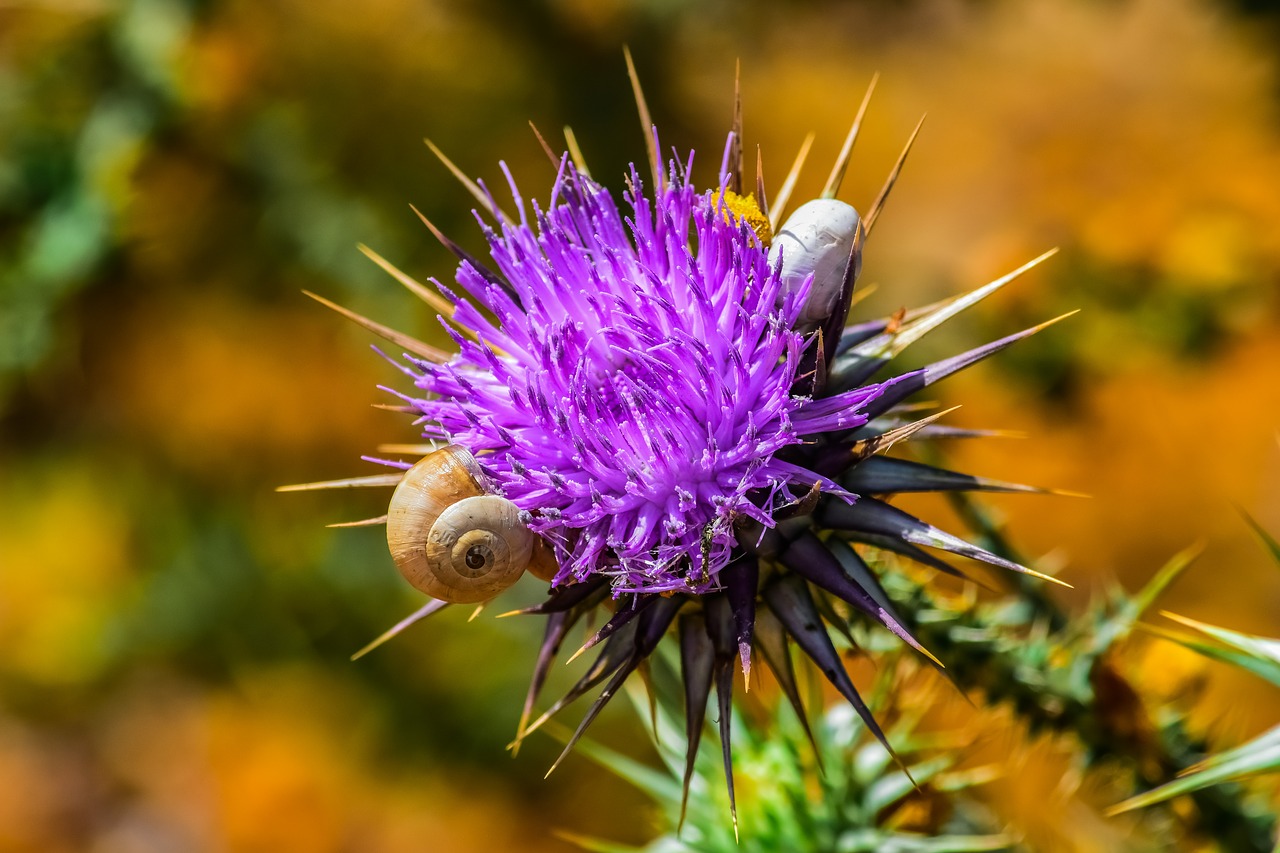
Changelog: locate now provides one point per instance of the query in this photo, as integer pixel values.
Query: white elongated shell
(451, 540)
(818, 238)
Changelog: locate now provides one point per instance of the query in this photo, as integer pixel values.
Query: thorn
(1164, 578)
(922, 650)
(1047, 323)
(735, 152)
(1067, 493)
(1188, 622)
(784, 194)
(374, 481)
(1268, 541)
(878, 204)
(806, 504)
(462, 255)
(435, 232)
(575, 153)
(556, 628)
(486, 201)
(412, 345)
(842, 161)
(1042, 576)
(990, 485)
(579, 652)
(426, 294)
(542, 719)
(408, 449)
(820, 365)
(901, 332)
(646, 676)
(646, 121)
(878, 443)
(365, 522)
(551, 155)
(474, 613)
(421, 613)
(761, 201)
(386, 407)
(990, 433)
(862, 293)
(914, 406)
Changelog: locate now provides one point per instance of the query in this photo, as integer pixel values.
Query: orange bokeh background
(174, 635)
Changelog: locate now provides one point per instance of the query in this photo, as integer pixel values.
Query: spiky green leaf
(1260, 755)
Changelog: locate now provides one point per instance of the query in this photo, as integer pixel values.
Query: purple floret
(638, 385)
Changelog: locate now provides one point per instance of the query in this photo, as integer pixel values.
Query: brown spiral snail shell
(452, 538)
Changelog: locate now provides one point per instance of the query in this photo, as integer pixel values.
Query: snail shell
(449, 537)
(818, 238)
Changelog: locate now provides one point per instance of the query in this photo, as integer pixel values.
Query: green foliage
(860, 800)
(1259, 655)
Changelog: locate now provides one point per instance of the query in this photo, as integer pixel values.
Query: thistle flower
(680, 428)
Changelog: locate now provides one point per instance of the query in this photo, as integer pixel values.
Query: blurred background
(174, 635)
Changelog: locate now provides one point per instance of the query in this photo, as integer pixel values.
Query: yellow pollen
(745, 209)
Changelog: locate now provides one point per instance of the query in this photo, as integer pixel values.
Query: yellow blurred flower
(65, 558)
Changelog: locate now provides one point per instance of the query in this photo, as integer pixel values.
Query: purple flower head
(639, 385)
